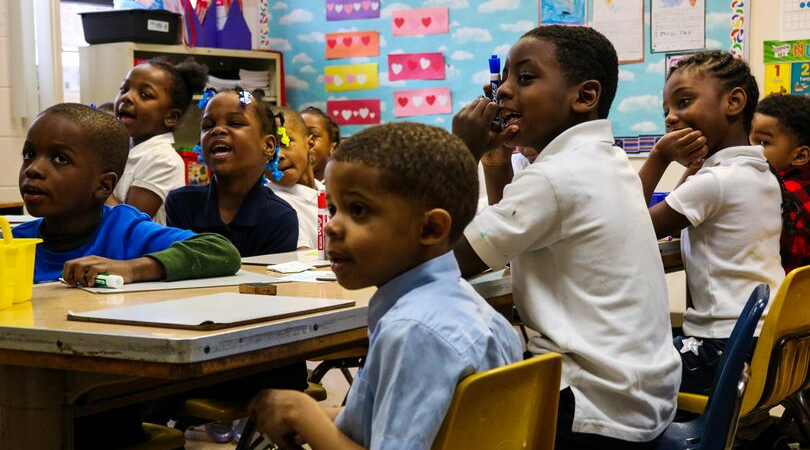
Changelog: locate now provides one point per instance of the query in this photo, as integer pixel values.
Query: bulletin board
(787, 67)
(375, 61)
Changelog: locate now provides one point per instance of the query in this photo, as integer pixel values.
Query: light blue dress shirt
(428, 329)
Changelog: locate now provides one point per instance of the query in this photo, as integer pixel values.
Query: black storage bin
(154, 26)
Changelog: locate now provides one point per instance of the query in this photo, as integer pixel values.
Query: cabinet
(104, 66)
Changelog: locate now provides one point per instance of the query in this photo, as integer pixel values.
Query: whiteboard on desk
(211, 312)
(234, 280)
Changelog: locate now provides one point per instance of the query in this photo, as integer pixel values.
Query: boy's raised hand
(473, 124)
(83, 271)
(686, 146)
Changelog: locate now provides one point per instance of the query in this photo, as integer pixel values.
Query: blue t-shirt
(264, 224)
(428, 329)
(123, 233)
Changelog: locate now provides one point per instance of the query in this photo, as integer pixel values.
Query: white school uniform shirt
(733, 204)
(153, 165)
(587, 275)
(304, 201)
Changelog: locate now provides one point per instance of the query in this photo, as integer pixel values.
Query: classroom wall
(12, 130)
(764, 26)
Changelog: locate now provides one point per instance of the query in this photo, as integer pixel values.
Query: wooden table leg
(34, 410)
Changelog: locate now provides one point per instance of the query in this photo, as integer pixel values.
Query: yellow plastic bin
(16, 267)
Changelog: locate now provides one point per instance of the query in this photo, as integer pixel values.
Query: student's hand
(275, 411)
(686, 146)
(473, 124)
(83, 271)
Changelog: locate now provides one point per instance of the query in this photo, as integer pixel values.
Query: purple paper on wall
(352, 9)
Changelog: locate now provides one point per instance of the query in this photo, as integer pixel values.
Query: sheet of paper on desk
(305, 256)
(311, 276)
(241, 277)
(211, 312)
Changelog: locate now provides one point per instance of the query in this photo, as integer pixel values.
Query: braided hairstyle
(729, 72)
(334, 129)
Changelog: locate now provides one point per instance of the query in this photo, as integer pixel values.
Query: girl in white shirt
(728, 213)
(298, 186)
(151, 102)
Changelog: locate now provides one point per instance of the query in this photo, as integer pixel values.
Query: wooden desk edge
(279, 354)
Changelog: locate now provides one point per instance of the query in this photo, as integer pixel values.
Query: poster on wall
(787, 67)
(354, 112)
(422, 102)
(351, 77)
(740, 9)
(677, 25)
(352, 44)
(419, 22)
(622, 22)
(672, 59)
(415, 66)
(352, 9)
(563, 12)
(795, 19)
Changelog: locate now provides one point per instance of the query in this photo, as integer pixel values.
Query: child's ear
(106, 185)
(435, 227)
(587, 100)
(802, 156)
(736, 100)
(332, 148)
(172, 118)
(270, 144)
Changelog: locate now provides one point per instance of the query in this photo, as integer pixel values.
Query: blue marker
(494, 76)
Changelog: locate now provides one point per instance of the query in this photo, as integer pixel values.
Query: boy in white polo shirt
(586, 271)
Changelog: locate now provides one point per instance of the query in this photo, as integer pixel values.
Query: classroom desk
(47, 363)
(53, 370)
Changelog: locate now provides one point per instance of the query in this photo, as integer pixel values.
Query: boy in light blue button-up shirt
(399, 196)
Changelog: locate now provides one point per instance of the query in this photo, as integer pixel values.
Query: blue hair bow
(207, 95)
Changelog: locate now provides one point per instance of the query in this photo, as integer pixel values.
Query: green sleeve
(201, 256)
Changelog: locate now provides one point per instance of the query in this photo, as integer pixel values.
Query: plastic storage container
(16, 267)
(154, 26)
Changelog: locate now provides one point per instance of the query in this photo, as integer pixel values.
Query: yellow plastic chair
(779, 367)
(511, 407)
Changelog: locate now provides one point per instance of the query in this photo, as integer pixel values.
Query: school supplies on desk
(305, 256)
(211, 312)
(105, 280)
(232, 280)
(17, 261)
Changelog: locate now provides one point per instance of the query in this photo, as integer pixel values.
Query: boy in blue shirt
(399, 196)
(72, 158)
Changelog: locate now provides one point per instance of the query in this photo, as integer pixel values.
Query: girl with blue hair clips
(298, 185)
(238, 143)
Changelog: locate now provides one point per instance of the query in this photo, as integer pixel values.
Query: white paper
(795, 23)
(290, 267)
(678, 25)
(305, 256)
(308, 277)
(222, 308)
(622, 22)
(241, 277)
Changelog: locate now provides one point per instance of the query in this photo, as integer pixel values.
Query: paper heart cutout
(417, 101)
(331, 43)
(430, 99)
(338, 80)
(347, 114)
(363, 112)
(412, 65)
(396, 68)
(349, 8)
(424, 63)
(347, 41)
(403, 101)
(329, 79)
(350, 78)
(361, 79)
(366, 5)
(330, 6)
(338, 8)
(335, 112)
(355, 113)
(374, 114)
(366, 40)
(375, 6)
(442, 99)
(399, 21)
(426, 21)
(356, 6)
